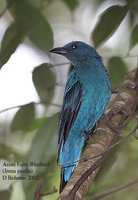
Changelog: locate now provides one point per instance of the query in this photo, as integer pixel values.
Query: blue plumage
(87, 93)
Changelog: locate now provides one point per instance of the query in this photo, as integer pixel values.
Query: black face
(64, 50)
(76, 51)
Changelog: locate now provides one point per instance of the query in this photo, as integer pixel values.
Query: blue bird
(87, 92)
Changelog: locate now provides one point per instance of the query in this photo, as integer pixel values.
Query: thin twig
(39, 193)
(65, 63)
(36, 103)
(125, 56)
(38, 190)
(58, 64)
(48, 193)
(113, 190)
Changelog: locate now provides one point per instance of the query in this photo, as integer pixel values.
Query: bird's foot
(86, 134)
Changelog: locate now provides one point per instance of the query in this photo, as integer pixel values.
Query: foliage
(134, 36)
(44, 81)
(38, 132)
(106, 25)
(23, 118)
(117, 70)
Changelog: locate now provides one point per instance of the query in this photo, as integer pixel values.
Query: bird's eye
(74, 46)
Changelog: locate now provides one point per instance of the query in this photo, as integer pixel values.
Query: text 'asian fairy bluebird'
(87, 92)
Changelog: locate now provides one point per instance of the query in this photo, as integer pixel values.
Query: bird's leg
(86, 134)
(115, 91)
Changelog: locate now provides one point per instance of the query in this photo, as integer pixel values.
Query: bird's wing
(71, 104)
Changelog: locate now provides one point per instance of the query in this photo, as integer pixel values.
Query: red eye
(74, 46)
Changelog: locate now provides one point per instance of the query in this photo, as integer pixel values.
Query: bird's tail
(69, 155)
(63, 181)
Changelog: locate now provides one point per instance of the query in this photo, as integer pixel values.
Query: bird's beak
(59, 50)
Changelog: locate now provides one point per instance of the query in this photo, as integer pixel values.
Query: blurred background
(32, 85)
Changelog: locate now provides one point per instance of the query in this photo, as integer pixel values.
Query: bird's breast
(93, 76)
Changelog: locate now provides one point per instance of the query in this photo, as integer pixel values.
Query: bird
(86, 95)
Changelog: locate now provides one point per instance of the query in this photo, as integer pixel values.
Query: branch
(106, 135)
(113, 190)
(36, 103)
(39, 193)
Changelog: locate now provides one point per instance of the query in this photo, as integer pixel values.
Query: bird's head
(77, 51)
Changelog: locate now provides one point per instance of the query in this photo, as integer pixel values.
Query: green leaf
(12, 38)
(5, 195)
(109, 21)
(117, 71)
(133, 6)
(3, 7)
(134, 37)
(24, 118)
(37, 123)
(31, 20)
(44, 81)
(9, 153)
(44, 144)
(72, 4)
